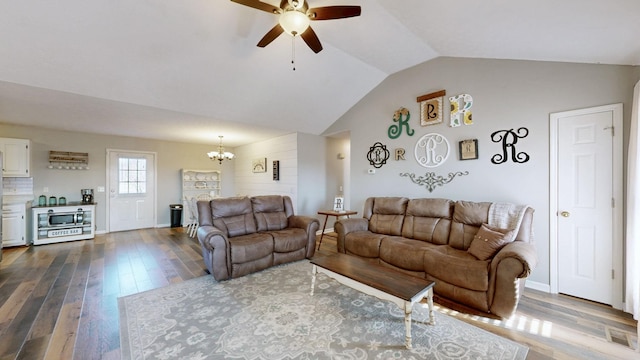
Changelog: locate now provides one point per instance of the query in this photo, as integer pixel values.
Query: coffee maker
(87, 196)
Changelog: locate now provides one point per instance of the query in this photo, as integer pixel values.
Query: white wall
(338, 170)
(171, 157)
(312, 174)
(302, 170)
(506, 94)
(284, 149)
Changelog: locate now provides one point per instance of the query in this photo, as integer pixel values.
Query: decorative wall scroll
(378, 155)
(432, 150)
(431, 107)
(430, 180)
(509, 139)
(396, 130)
(468, 149)
(461, 110)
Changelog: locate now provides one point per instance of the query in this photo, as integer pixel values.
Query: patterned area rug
(271, 315)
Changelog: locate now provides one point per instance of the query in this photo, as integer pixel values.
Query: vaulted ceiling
(190, 70)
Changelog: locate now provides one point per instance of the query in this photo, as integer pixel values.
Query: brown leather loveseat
(478, 253)
(243, 235)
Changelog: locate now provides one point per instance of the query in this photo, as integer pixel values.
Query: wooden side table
(337, 214)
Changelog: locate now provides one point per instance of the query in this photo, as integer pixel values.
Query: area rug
(271, 315)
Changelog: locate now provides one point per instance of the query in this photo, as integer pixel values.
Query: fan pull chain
(293, 52)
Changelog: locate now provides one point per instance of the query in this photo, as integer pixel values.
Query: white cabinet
(198, 185)
(16, 156)
(14, 225)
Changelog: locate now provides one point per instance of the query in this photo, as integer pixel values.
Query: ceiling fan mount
(295, 17)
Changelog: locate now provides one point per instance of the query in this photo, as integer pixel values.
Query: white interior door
(132, 190)
(586, 203)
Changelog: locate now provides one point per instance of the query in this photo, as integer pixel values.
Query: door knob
(565, 214)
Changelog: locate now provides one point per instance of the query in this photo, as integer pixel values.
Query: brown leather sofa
(243, 235)
(452, 243)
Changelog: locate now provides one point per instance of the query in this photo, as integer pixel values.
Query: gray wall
(171, 157)
(507, 94)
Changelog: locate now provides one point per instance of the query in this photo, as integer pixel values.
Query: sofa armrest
(216, 251)
(521, 251)
(511, 265)
(344, 226)
(310, 226)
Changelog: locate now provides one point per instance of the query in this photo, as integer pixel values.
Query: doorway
(585, 217)
(131, 186)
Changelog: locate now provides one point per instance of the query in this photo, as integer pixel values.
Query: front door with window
(131, 190)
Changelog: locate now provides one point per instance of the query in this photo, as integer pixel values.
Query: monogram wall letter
(378, 155)
(395, 130)
(509, 139)
(432, 150)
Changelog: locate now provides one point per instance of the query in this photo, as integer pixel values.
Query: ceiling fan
(295, 16)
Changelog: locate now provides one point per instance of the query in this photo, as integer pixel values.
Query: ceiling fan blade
(271, 35)
(259, 5)
(310, 37)
(333, 12)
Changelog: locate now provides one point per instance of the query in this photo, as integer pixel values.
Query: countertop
(69, 203)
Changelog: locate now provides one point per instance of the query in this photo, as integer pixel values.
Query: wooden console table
(337, 214)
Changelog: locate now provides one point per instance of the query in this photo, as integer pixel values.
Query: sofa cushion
(428, 220)
(403, 253)
(250, 247)
(388, 215)
(233, 216)
(457, 267)
(269, 211)
(468, 216)
(363, 243)
(488, 241)
(288, 240)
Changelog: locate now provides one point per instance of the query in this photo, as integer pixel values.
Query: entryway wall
(338, 173)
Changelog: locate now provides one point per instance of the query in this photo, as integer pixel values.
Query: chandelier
(220, 154)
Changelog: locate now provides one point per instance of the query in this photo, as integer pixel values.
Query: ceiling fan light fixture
(294, 22)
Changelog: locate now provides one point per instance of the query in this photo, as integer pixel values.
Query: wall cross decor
(430, 180)
(509, 139)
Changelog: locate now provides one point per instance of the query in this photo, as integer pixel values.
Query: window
(132, 176)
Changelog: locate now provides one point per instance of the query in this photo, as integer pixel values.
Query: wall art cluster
(433, 149)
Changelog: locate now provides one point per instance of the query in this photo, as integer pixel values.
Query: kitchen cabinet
(16, 156)
(14, 225)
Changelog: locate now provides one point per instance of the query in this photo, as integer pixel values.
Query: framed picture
(468, 149)
(259, 165)
(338, 204)
(431, 108)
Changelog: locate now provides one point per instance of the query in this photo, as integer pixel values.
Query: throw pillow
(488, 241)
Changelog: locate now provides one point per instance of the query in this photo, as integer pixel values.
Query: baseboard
(100, 232)
(325, 231)
(537, 286)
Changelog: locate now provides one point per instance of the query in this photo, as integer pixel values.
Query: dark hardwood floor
(59, 301)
